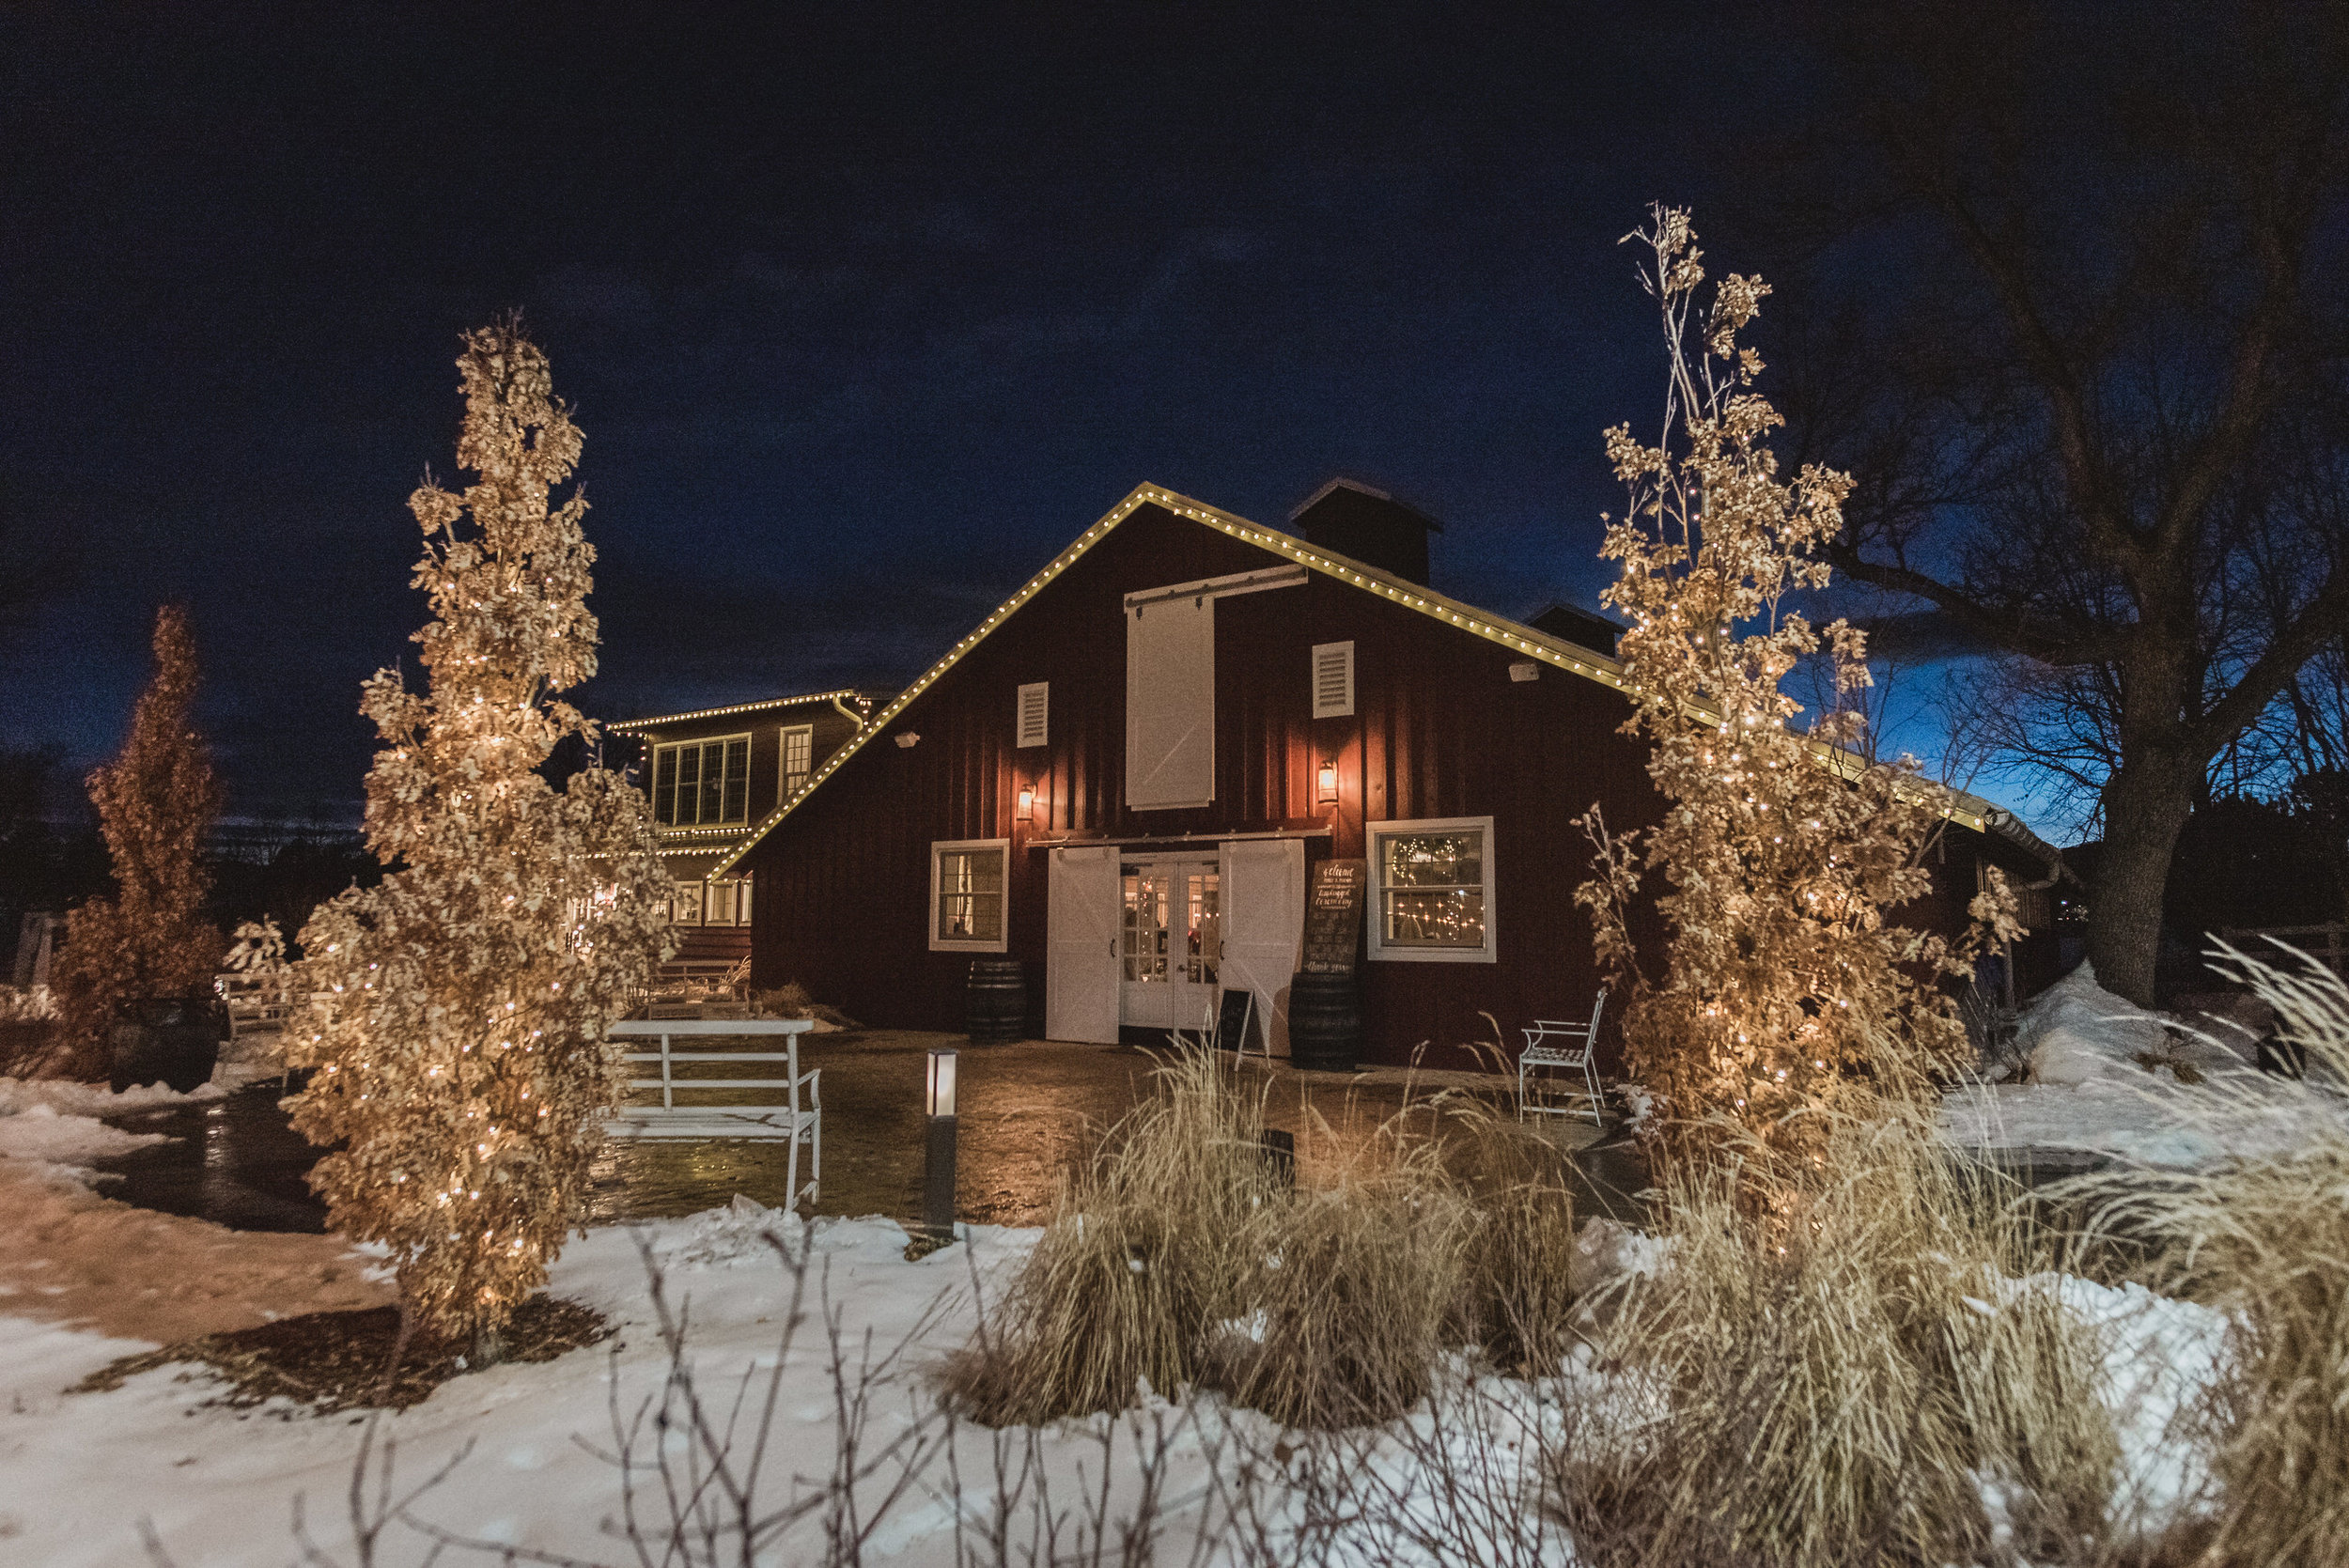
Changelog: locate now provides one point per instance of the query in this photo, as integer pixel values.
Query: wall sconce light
(1027, 805)
(1328, 782)
(908, 739)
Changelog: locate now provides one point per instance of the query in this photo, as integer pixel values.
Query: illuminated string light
(1606, 673)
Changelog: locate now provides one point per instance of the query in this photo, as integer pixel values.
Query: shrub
(1344, 1307)
(1834, 1386)
(2265, 1235)
(155, 802)
(1784, 849)
(1139, 1262)
(457, 1012)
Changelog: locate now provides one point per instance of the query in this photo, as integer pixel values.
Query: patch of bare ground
(343, 1361)
(69, 1255)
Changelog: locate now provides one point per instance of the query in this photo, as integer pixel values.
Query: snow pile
(53, 1122)
(68, 1098)
(2112, 1080)
(2076, 1031)
(732, 1236)
(1605, 1250)
(37, 1132)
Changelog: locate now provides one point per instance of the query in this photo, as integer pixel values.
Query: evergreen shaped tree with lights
(1785, 988)
(459, 1011)
(155, 801)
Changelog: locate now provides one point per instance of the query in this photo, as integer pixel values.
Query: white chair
(1565, 1047)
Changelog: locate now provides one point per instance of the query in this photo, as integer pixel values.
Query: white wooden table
(790, 1123)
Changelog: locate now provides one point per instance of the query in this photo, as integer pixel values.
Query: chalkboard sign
(1334, 916)
(1236, 1021)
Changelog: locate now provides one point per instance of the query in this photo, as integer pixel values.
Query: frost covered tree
(1785, 988)
(155, 801)
(458, 1010)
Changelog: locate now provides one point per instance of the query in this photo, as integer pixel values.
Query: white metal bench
(790, 1123)
(1541, 1055)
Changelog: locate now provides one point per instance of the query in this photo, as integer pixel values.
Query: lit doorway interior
(1171, 943)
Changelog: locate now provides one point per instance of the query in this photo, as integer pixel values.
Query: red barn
(1126, 775)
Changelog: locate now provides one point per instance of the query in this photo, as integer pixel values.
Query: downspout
(860, 715)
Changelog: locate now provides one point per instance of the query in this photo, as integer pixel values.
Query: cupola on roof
(1349, 517)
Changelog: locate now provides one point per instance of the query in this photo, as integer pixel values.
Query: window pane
(720, 911)
(689, 786)
(1435, 860)
(1454, 917)
(713, 782)
(688, 909)
(1431, 888)
(664, 784)
(737, 800)
(971, 895)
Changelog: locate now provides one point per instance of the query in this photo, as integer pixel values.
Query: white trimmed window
(1432, 891)
(799, 759)
(967, 894)
(1035, 712)
(685, 908)
(699, 782)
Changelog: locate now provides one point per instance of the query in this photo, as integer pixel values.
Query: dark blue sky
(861, 319)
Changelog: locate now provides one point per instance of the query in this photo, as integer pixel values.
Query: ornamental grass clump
(1349, 1293)
(1839, 1382)
(1516, 1299)
(1785, 848)
(456, 1014)
(1183, 1254)
(2263, 1233)
(1138, 1265)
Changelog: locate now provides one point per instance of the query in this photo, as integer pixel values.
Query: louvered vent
(1333, 680)
(1035, 710)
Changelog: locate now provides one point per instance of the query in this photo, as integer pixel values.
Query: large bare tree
(2090, 374)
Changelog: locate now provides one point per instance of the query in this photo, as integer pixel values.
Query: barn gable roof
(1534, 644)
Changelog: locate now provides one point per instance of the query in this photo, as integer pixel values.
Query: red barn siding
(1440, 731)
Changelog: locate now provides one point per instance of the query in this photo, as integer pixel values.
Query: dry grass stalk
(2266, 1237)
(1833, 1382)
(1142, 1261)
(1344, 1311)
(1180, 1257)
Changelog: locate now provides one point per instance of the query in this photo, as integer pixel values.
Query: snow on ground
(2110, 1079)
(79, 1471)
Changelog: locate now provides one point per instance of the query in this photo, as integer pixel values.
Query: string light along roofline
(732, 708)
(1965, 809)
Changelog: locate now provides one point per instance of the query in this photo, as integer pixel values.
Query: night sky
(863, 318)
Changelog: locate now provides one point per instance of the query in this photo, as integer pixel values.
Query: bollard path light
(938, 1156)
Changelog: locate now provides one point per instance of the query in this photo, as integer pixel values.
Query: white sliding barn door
(1264, 926)
(1170, 704)
(1081, 946)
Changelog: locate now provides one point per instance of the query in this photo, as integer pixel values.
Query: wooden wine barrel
(174, 1041)
(1325, 1023)
(998, 1003)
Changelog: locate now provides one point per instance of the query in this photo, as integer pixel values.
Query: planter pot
(998, 1002)
(1325, 1023)
(171, 1040)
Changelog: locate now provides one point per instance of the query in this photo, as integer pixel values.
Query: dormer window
(702, 783)
(798, 757)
